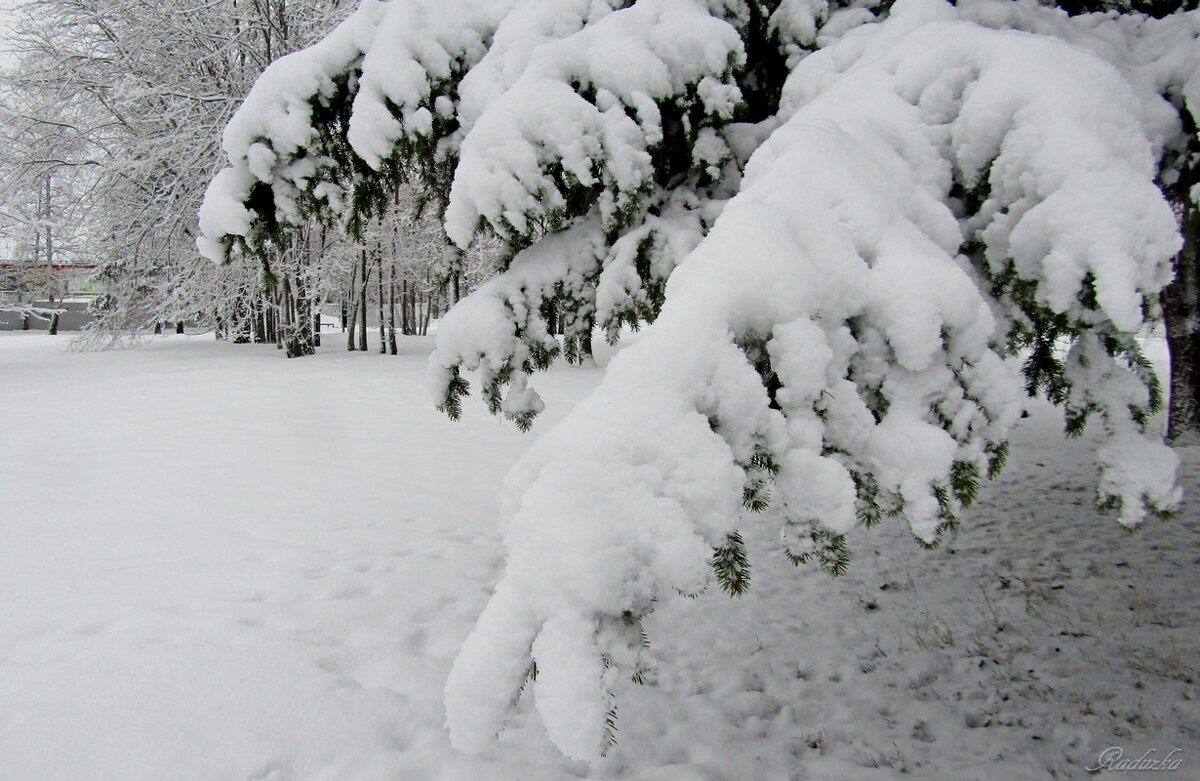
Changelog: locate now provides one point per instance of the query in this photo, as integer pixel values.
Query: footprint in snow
(351, 592)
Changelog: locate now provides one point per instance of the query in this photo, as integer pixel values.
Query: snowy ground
(219, 564)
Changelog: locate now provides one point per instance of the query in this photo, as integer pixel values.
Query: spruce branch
(731, 565)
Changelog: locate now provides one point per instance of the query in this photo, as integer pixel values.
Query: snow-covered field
(219, 564)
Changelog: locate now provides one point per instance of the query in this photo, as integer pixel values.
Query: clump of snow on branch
(835, 345)
(378, 83)
(499, 329)
(585, 114)
(575, 144)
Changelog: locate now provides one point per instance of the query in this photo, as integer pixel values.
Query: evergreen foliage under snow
(868, 219)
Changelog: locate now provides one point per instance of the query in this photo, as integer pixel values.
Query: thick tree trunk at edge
(1181, 308)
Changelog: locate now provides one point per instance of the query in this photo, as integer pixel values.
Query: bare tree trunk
(244, 320)
(585, 340)
(290, 329)
(258, 315)
(1181, 299)
(313, 298)
(423, 307)
(428, 306)
(362, 302)
(1181, 307)
(50, 248)
(304, 321)
(454, 271)
(287, 336)
(392, 312)
(348, 325)
(405, 315)
(379, 287)
(273, 305)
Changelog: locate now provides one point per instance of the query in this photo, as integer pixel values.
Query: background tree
(120, 105)
(866, 217)
(47, 179)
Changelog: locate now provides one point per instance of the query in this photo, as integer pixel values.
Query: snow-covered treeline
(861, 235)
(112, 113)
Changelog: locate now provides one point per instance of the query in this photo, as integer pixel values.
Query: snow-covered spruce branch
(524, 121)
(837, 341)
(928, 196)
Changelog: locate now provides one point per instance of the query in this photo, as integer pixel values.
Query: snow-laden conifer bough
(881, 229)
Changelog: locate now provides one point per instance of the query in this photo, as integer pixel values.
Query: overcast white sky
(6, 15)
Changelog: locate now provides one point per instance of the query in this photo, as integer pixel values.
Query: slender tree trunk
(427, 313)
(287, 337)
(243, 320)
(302, 315)
(54, 324)
(349, 324)
(585, 340)
(362, 302)
(49, 246)
(288, 333)
(392, 312)
(304, 321)
(379, 289)
(258, 315)
(219, 326)
(179, 327)
(299, 319)
(454, 270)
(405, 319)
(273, 305)
(312, 297)
(1181, 307)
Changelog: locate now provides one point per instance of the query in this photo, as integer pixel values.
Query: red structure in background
(52, 266)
